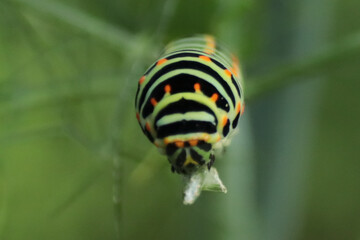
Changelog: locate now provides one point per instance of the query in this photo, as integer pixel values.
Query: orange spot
(138, 116)
(205, 58)
(209, 37)
(214, 97)
(235, 65)
(166, 141)
(142, 79)
(224, 121)
(227, 72)
(161, 61)
(210, 44)
(242, 109)
(210, 41)
(238, 108)
(179, 144)
(235, 71)
(193, 142)
(167, 88)
(218, 138)
(147, 126)
(153, 101)
(197, 87)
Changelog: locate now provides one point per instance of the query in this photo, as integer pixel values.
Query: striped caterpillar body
(189, 101)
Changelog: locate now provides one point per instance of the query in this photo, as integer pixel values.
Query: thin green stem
(113, 35)
(3, 202)
(87, 182)
(118, 163)
(55, 94)
(168, 12)
(289, 73)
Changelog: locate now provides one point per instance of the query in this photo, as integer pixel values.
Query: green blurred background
(75, 165)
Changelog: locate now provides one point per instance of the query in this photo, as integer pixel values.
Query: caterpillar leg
(212, 160)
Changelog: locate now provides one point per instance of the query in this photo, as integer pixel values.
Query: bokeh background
(75, 165)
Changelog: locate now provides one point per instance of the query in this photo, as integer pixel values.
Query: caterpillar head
(187, 157)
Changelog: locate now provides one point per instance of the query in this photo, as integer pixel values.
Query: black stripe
(184, 83)
(204, 146)
(137, 93)
(183, 54)
(147, 134)
(148, 109)
(236, 85)
(192, 53)
(226, 128)
(218, 64)
(187, 65)
(236, 120)
(180, 160)
(184, 106)
(184, 127)
(171, 149)
(197, 157)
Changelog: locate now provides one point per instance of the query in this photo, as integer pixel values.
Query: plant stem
(113, 35)
(285, 75)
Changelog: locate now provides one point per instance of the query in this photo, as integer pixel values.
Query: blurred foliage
(75, 165)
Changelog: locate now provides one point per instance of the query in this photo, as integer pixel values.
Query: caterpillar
(189, 101)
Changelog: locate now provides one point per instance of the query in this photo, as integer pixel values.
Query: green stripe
(197, 116)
